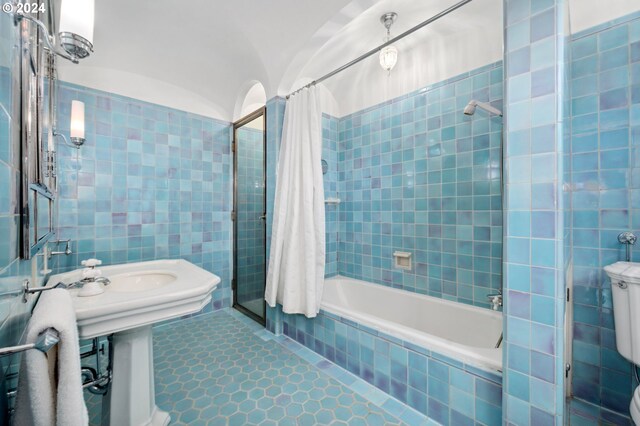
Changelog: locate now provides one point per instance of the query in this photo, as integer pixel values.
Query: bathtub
(463, 332)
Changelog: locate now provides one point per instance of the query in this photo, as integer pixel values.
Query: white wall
(588, 13)
(421, 62)
(254, 98)
(141, 87)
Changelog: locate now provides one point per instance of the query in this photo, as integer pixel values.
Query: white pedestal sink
(139, 295)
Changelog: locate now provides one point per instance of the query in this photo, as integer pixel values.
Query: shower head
(470, 109)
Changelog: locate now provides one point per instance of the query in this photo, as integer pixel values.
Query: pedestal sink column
(132, 394)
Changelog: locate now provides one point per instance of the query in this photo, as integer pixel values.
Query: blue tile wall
(250, 206)
(567, 217)
(330, 181)
(535, 266)
(417, 175)
(605, 104)
(586, 414)
(275, 119)
(13, 271)
(150, 183)
(444, 389)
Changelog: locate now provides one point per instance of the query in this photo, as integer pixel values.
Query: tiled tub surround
(250, 206)
(466, 333)
(420, 365)
(150, 183)
(446, 390)
(605, 138)
(417, 175)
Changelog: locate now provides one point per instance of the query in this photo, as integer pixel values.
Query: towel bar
(46, 340)
(26, 290)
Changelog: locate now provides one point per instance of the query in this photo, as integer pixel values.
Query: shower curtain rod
(382, 46)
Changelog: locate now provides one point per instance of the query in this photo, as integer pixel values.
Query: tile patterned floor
(224, 369)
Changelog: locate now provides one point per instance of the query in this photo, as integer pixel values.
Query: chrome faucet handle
(495, 299)
(67, 248)
(627, 238)
(90, 274)
(91, 263)
(103, 280)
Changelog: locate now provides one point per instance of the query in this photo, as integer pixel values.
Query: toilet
(625, 289)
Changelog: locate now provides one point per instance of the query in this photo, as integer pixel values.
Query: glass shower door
(250, 217)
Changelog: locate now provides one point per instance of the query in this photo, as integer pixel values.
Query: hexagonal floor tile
(213, 369)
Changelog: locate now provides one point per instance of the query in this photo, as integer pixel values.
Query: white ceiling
(204, 56)
(204, 52)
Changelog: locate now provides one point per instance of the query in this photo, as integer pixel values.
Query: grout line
(386, 402)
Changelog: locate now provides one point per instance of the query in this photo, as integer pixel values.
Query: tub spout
(496, 300)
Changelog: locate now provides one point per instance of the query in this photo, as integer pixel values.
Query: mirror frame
(36, 66)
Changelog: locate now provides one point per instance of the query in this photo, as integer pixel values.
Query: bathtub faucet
(495, 299)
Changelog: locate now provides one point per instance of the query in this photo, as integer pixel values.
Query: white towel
(50, 385)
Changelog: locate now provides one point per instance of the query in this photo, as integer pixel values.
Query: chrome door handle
(263, 217)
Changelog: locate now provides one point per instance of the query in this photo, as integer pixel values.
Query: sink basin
(140, 281)
(140, 294)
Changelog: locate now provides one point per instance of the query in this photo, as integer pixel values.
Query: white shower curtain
(296, 264)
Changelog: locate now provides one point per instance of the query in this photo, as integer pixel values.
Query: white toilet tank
(625, 289)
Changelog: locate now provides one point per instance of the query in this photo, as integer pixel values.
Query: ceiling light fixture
(388, 54)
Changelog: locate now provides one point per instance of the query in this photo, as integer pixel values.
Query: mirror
(36, 94)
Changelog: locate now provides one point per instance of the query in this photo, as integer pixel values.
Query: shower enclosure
(414, 158)
(249, 214)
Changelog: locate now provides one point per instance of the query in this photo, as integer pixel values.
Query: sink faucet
(495, 299)
(91, 275)
(82, 282)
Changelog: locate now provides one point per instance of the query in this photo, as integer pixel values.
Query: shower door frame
(234, 217)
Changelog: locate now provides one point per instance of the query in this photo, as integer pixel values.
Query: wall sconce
(76, 127)
(76, 29)
(77, 123)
